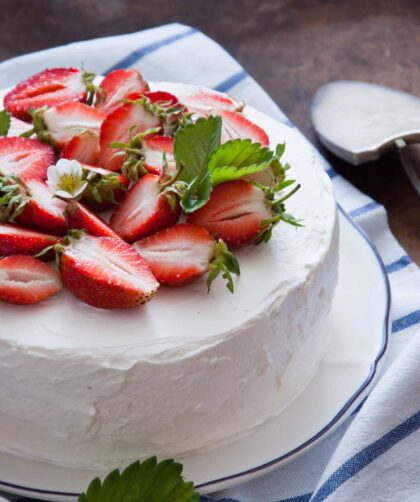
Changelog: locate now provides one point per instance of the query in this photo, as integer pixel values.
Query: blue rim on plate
(345, 408)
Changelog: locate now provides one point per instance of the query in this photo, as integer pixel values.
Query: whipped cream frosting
(92, 388)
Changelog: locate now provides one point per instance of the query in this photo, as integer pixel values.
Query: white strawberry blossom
(66, 179)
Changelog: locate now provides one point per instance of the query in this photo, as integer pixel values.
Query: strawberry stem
(225, 262)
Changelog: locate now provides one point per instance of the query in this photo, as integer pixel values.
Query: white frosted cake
(188, 371)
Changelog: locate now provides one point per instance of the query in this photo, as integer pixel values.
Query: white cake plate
(359, 334)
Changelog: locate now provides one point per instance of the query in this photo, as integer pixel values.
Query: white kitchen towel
(375, 455)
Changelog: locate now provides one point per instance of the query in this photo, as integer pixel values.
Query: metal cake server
(360, 121)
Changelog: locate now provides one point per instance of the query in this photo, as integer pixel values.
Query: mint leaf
(147, 481)
(4, 122)
(194, 144)
(238, 158)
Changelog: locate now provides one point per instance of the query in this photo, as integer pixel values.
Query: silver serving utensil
(360, 121)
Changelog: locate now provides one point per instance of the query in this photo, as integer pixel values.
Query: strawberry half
(17, 240)
(61, 123)
(154, 149)
(84, 147)
(116, 128)
(234, 212)
(236, 125)
(144, 210)
(43, 211)
(180, 254)
(106, 272)
(25, 280)
(24, 157)
(50, 87)
(205, 102)
(116, 86)
(80, 218)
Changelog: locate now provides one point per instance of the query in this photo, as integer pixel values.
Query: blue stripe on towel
(231, 81)
(134, 56)
(364, 209)
(356, 463)
(406, 321)
(398, 264)
(332, 173)
(306, 497)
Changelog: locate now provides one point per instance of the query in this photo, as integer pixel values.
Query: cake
(92, 388)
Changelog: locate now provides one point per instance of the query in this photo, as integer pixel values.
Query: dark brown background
(290, 47)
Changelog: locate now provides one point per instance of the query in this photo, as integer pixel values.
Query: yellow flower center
(69, 183)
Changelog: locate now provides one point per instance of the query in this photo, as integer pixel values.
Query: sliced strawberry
(154, 149)
(236, 125)
(178, 255)
(204, 102)
(24, 157)
(79, 217)
(106, 272)
(116, 128)
(84, 147)
(234, 212)
(144, 210)
(64, 122)
(43, 211)
(25, 280)
(166, 99)
(17, 240)
(117, 85)
(104, 190)
(49, 87)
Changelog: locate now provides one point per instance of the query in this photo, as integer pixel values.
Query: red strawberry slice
(117, 85)
(204, 102)
(47, 88)
(17, 240)
(178, 255)
(154, 148)
(79, 217)
(84, 147)
(25, 157)
(109, 186)
(236, 125)
(43, 211)
(65, 121)
(25, 280)
(166, 99)
(107, 273)
(116, 128)
(144, 210)
(234, 212)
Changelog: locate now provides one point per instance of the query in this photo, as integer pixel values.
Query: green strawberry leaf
(194, 145)
(4, 122)
(197, 193)
(146, 481)
(238, 158)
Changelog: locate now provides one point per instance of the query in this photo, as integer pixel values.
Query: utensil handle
(407, 163)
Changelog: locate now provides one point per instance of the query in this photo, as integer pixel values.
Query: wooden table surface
(291, 47)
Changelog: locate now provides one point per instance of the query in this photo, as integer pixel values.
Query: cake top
(191, 179)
